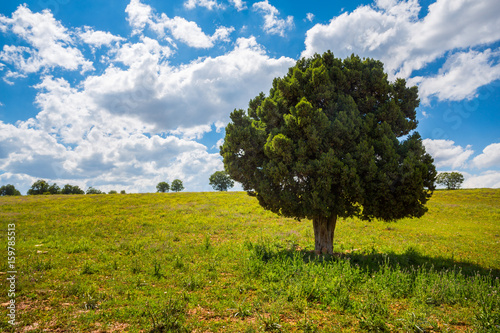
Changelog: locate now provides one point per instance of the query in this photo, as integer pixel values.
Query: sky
(120, 95)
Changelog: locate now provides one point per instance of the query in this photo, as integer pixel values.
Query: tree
(54, 189)
(123, 192)
(328, 142)
(220, 181)
(162, 187)
(9, 190)
(39, 187)
(452, 180)
(72, 189)
(177, 185)
(112, 192)
(92, 190)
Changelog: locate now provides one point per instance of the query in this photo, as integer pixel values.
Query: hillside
(217, 262)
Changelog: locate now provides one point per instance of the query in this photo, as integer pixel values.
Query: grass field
(217, 262)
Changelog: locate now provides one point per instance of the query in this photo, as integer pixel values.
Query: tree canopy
(39, 187)
(452, 180)
(334, 138)
(177, 185)
(220, 181)
(162, 187)
(9, 190)
(71, 189)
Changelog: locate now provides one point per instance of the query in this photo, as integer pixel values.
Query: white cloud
(310, 17)
(50, 43)
(460, 77)
(195, 94)
(488, 179)
(98, 38)
(147, 51)
(489, 158)
(138, 15)
(239, 4)
(272, 23)
(392, 32)
(447, 154)
(218, 144)
(188, 32)
(12, 75)
(208, 4)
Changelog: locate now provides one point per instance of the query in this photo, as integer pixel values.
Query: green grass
(217, 262)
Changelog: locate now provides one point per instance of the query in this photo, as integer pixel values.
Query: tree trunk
(324, 228)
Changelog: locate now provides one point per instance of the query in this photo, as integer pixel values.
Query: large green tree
(162, 187)
(177, 185)
(452, 180)
(39, 187)
(9, 190)
(220, 181)
(72, 189)
(334, 138)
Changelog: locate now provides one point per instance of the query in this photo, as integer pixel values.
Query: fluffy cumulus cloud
(273, 24)
(393, 32)
(209, 4)
(50, 44)
(489, 158)
(178, 28)
(489, 179)
(447, 154)
(460, 77)
(239, 4)
(138, 15)
(98, 38)
(139, 120)
(200, 93)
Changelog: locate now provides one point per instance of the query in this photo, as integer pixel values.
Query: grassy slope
(219, 263)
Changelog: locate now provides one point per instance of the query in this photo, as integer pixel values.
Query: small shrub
(170, 318)
(88, 268)
(157, 270)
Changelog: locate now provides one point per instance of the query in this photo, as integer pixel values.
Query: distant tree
(177, 185)
(334, 138)
(112, 192)
(39, 187)
(72, 189)
(162, 187)
(92, 190)
(123, 192)
(220, 181)
(54, 189)
(452, 180)
(9, 190)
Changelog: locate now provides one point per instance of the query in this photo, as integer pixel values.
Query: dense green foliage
(162, 187)
(72, 189)
(452, 180)
(9, 189)
(218, 262)
(40, 187)
(328, 141)
(220, 181)
(177, 185)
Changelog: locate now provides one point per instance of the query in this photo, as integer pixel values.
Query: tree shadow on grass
(373, 261)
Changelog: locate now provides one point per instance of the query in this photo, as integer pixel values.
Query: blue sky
(125, 94)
